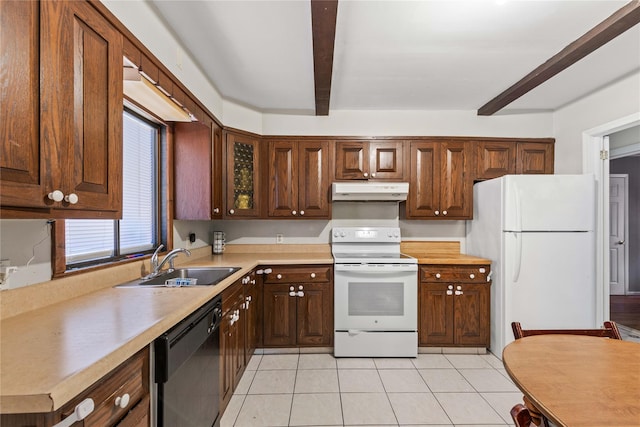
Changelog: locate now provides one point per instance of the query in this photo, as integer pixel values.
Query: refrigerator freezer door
(555, 287)
(549, 202)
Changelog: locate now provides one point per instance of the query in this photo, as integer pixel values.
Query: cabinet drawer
(310, 274)
(454, 273)
(233, 296)
(129, 378)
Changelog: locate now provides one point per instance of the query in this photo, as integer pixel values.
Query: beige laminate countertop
(51, 354)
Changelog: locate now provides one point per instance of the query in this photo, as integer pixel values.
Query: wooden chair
(527, 414)
(610, 330)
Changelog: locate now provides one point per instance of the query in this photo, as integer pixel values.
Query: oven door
(376, 297)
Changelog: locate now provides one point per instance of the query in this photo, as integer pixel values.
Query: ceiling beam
(616, 24)
(323, 23)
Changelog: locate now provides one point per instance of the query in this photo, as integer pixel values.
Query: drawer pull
(313, 275)
(482, 270)
(123, 401)
(279, 276)
(472, 276)
(438, 275)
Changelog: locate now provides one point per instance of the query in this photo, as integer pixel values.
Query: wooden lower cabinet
(253, 314)
(232, 345)
(131, 377)
(454, 306)
(298, 307)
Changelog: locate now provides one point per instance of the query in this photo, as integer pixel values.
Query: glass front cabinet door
(243, 187)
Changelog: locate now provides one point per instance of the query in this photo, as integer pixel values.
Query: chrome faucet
(168, 258)
(156, 268)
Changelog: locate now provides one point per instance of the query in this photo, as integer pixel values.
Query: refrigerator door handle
(518, 265)
(518, 201)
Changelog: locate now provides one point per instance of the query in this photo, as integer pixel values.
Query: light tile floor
(319, 390)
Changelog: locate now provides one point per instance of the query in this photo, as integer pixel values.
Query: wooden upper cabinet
(370, 160)
(192, 157)
(440, 184)
(243, 176)
(62, 132)
(299, 179)
(81, 104)
(495, 159)
(23, 182)
(534, 158)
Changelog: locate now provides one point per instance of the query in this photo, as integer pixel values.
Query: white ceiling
(398, 55)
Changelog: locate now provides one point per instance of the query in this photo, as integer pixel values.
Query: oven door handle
(376, 269)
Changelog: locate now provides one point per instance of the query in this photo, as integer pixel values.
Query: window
(89, 241)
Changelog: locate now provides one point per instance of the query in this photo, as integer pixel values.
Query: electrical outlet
(279, 238)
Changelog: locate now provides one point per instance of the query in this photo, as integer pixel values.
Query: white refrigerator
(539, 233)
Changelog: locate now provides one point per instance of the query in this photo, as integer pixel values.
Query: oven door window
(376, 299)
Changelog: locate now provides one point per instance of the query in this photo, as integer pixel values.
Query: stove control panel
(366, 235)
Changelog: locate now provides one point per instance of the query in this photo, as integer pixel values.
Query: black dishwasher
(187, 370)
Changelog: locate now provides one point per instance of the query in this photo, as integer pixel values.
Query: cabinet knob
(268, 271)
(482, 270)
(231, 211)
(437, 213)
(449, 292)
(444, 212)
(301, 212)
(438, 275)
(459, 292)
(291, 288)
(300, 294)
(472, 276)
(56, 196)
(373, 174)
(216, 210)
(123, 401)
(292, 294)
(366, 174)
(459, 287)
(450, 287)
(72, 198)
(294, 213)
(279, 276)
(313, 275)
(300, 287)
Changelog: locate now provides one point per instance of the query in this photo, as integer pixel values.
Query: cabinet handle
(438, 275)
(313, 275)
(216, 210)
(482, 270)
(366, 174)
(449, 292)
(301, 212)
(249, 298)
(231, 211)
(292, 294)
(459, 287)
(450, 287)
(444, 212)
(472, 276)
(300, 293)
(300, 287)
(56, 196)
(123, 401)
(268, 271)
(72, 198)
(253, 281)
(373, 174)
(437, 213)
(279, 276)
(459, 292)
(294, 213)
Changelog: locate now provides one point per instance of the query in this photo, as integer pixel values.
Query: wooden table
(578, 380)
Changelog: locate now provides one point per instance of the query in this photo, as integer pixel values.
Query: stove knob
(336, 234)
(343, 234)
(396, 235)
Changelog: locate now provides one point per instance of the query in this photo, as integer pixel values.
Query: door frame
(595, 141)
(625, 178)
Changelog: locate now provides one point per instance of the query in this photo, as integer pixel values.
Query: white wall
(27, 245)
(617, 100)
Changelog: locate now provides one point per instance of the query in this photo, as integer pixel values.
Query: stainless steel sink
(207, 276)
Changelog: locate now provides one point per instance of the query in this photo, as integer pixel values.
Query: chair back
(610, 330)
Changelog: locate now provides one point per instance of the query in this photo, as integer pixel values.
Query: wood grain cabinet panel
(441, 184)
(495, 159)
(232, 344)
(298, 307)
(454, 306)
(370, 160)
(77, 122)
(299, 179)
(192, 159)
(534, 158)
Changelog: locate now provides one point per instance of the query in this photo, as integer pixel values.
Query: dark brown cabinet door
(436, 322)
(283, 179)
(22, 179)
(314, 168)
(243, 177)
(232, 341)
(456, 182)
(495, 159)
(81, 104)
(217, 170)
(471, 314)
(386, 160)
(534, 158)
(315, 314)
(253, 322)
(279, 315)
(423, 200)
(226, 361)
(192, 171)
(352, 160)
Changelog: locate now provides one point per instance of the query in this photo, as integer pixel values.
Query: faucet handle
(154, 257)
